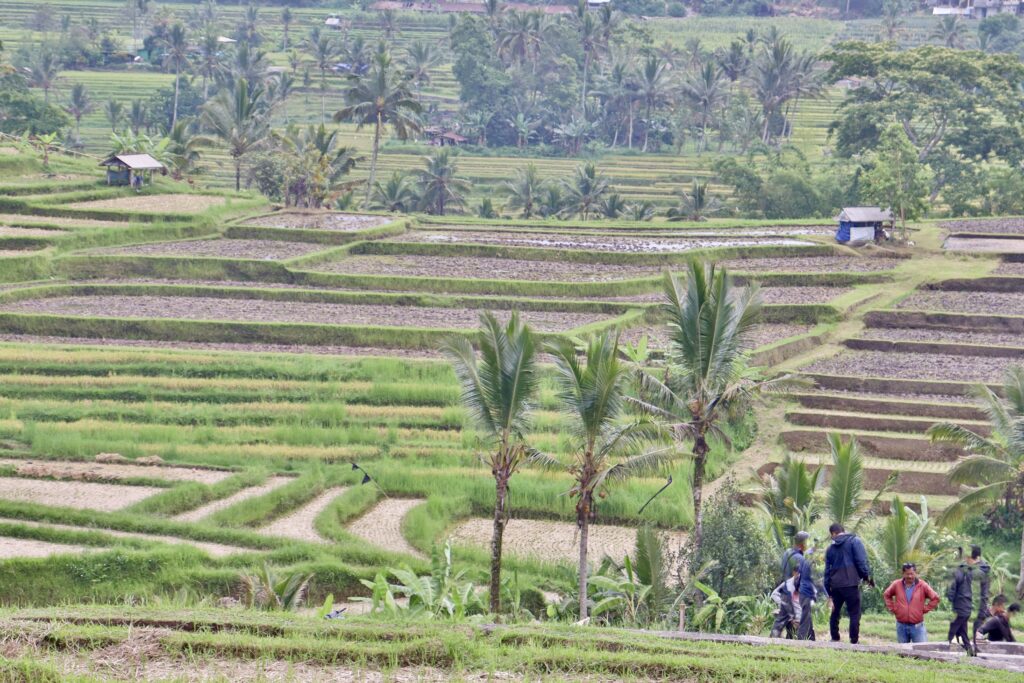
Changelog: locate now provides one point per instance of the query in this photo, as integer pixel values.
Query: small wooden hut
(131, 169)
(862, 224)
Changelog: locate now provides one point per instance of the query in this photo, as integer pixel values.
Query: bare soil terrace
(252, 310)
(939, 335)
(999, 226)
(811, 264)
(81, 495)
(328, 350)
(1007, 303)
(985, 245)
(382, 525)
(768, 333)
(935, 366)
(94, 471)
(609, 243)
(24, 219)
(1009, 268)
(769, 295)
(7, 231)
(29, 548)
(485, 268)
(264, 250)
(338, 222)
(157, 203)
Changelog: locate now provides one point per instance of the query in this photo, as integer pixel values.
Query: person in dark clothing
(846, 565)
(960, 596)
(981, 574)
(788, 566)
(807, 593)
(997, 627)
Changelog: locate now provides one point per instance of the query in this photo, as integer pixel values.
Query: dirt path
(77, 494)
(214, 549)
(299, 524)
(206, 510)
(11, 548)
(93, 471)
(558, 541)
(382, 525)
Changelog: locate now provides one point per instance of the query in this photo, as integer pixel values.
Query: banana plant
(622, 593)
(717, 610)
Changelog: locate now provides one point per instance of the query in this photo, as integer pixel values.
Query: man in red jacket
(909, 599)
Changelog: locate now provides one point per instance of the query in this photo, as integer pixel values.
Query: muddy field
(952, 336)
(7, 231)
(769, 333)
(157, 203)
(94, 471)
(811, 264)
(206, 510)
(299, 524)
(214, 549)
(224, 346)
(335, 222)
(1006, 303)
(485, 268)
(769, 295)
(22, 219)
(248, 310)
(382, 525)
(996, 226)
(25, 547)
(984, 245)
(681, 229)
(934, 366)
(609, 243)
(558, 541)
(1010, 268)
(264, 250)
(80, 495)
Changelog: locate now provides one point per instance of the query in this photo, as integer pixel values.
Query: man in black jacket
(960, 595)
(846, 565)
(981, 574)
(997, 627)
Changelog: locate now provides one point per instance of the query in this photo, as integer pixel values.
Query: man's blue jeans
(911, 633)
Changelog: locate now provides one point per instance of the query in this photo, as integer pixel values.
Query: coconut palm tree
(696, 204)
(325, 52)
(79, 104)
(380, 98)
(903, 537)
(640, 211)
(605, 450)
(583, 194)
(316, 164)
(138, 116)
(396, 195)
(208, 65)
(420, 58)
(789, 497)
(114, 111)
(177, 53)
(439, 188)
(992, 473)
(950, 31)
(710, 323)
(43, 71)
(183, 148)
(286, 23)
(844, 497)
(705, 92)
(237, 120)
(524, 191)
(524, 127)
(652, 85)
(499, 390)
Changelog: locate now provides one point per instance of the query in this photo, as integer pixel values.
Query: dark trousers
(806, 629)
(958, 630)
(849, 596)
(983, 614)
(784, 619)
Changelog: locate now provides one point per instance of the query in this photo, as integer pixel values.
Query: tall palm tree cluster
(632, 94)
(623, 419)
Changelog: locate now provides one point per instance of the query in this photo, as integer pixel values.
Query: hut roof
(864, 214)
(136, 162)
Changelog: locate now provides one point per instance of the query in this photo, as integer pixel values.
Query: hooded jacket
(961, 593)
(846, 563)
(922, 601)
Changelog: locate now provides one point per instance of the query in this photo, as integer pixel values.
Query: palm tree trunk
(373, 159)
(1020, 584)
(583, 92)
(238, 174)
(177, 80)
(700, 455)
(584, 520)
(629, 134)
(496, 542)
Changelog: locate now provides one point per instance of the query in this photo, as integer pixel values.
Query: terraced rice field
(23, 219)
(1006, 303)
(957, 336)
(79, 495)
(605, 243)
(273, 250)
(1000, 245)
(381, 526)
(998, 226)
(157, 203)
(318, 221)
(811, 264)
(254, 310)
(485, 268)
(96, 471)
(912, 366)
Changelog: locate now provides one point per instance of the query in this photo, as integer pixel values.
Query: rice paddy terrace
(186, 380)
